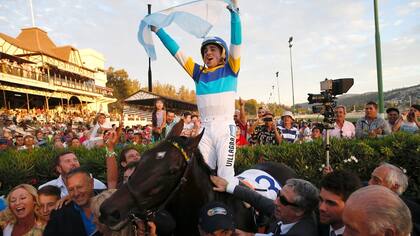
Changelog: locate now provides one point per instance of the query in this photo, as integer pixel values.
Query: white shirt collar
(286, 227)
(338, 231)
(60, 184)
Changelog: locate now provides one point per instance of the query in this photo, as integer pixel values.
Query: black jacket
(414, 208)
(66, 222)
(307, 226)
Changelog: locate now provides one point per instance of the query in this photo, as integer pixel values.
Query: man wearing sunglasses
(293, 208)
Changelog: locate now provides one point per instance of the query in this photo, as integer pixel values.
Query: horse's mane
(196, 155)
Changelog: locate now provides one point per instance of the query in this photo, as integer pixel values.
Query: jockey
(216, 85)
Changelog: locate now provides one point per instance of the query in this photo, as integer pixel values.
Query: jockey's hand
(154, 28)
(219, 182)
(235, 3)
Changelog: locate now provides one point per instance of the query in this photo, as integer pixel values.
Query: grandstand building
(36, 73)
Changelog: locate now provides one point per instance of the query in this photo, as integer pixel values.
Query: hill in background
(401, 98)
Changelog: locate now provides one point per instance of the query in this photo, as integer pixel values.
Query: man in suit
(394, 179)
(76, 217)
(293, 208)
(336, 187)
(376, 211)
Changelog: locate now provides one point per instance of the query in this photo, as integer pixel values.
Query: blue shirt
(90, 227)
(2, 203)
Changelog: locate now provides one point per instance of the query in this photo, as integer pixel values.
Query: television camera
(329, 91)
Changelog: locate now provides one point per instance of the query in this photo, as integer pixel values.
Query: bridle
(150, 214)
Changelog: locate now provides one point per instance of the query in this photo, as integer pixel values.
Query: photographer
(411, 123)
(268, 133)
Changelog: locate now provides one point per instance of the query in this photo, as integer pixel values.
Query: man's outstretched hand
(154, 28)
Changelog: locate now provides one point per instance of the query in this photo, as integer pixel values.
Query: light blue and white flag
(196, 17)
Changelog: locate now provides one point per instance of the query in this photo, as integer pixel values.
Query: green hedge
(359, 156)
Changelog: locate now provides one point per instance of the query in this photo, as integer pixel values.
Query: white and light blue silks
(196, 17)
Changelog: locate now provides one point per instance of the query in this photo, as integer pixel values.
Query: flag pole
(32, 13)
(149, 9)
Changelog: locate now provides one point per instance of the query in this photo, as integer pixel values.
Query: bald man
(376, 211)
(393, 178)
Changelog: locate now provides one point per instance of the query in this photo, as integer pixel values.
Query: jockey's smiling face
(213, 55)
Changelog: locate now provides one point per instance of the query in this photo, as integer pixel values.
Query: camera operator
(342, 128)
(411, 125)
(268, 133)
(371, 125)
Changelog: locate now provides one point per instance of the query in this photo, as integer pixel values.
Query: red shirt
(241, 130)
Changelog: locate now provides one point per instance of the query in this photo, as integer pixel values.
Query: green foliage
(37, 166)
(358, 156)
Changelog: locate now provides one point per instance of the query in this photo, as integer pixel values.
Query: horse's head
(157, 175)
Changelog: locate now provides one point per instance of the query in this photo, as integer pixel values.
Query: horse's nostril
(115, 215)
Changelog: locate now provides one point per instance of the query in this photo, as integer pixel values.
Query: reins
(151, 213)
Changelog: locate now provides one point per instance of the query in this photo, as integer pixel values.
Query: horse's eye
(160, 155)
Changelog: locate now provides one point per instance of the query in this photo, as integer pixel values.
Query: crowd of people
(71, 204)
(22, 129)
(300, 208)
(26, 70)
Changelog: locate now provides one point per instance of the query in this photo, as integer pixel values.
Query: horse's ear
(194, 141)
(177, 129)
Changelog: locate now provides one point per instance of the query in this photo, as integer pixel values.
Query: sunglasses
(285, 202)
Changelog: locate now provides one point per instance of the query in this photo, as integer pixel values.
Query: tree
(122, 85)
(169, 90)
(251, 106)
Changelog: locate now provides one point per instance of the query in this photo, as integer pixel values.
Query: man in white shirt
(342, 128)
(64, 163)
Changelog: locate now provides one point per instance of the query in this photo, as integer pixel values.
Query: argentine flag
(196, 17)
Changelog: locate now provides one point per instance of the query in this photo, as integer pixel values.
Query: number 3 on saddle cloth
(264, 184)
(261, 182)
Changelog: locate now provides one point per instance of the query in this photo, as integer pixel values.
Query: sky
(331, 39)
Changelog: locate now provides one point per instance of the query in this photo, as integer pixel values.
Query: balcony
(38, 74)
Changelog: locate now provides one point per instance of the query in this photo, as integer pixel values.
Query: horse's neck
(200, 179)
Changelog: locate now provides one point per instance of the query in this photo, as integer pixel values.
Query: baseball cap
(288, 113)
(215, 216)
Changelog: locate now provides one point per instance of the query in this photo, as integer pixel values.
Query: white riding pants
(218, 146)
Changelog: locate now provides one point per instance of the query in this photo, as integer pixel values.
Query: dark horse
(174, 176)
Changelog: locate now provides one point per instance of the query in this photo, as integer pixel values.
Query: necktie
(277, 231)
